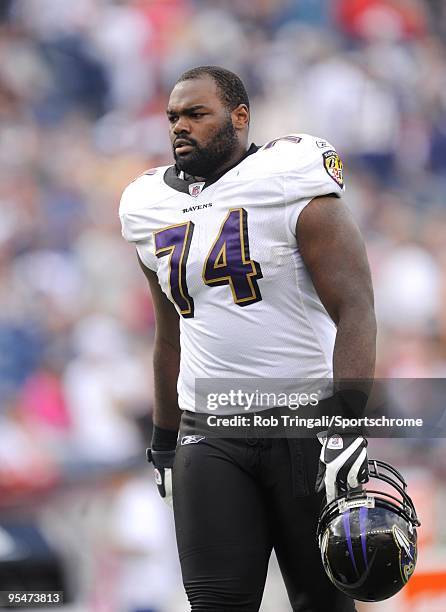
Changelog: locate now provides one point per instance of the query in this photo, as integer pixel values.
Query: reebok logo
(191, 440)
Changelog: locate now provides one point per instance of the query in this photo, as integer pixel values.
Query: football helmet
(368, 539)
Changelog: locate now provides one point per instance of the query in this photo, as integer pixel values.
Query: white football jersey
(226, 255)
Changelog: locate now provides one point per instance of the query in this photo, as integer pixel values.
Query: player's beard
(205, 160)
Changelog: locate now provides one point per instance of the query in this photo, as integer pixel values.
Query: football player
(256, 269)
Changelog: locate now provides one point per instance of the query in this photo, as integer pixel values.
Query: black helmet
(368, 539)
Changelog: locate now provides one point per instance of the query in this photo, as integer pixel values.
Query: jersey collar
(172, 174)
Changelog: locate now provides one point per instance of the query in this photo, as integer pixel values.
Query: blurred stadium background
(83, 87)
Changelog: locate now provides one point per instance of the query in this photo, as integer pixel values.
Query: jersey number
(227, 263)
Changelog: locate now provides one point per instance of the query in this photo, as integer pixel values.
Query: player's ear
(240, 117)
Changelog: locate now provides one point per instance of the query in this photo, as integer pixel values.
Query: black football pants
(235, 500)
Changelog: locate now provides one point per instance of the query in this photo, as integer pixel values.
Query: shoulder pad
(149, 172)
(305, 141)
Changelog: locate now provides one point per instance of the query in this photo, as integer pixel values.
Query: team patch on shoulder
(333, 165)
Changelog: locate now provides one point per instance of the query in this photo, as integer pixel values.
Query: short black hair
(230, 86)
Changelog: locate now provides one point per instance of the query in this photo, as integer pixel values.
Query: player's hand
(343, 464)
(163, 464)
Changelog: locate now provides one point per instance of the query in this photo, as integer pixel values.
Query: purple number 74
(227, 263)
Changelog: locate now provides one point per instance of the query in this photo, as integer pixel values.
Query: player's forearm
(166, 365)
(355, 348)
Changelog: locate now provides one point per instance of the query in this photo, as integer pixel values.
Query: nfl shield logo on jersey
(195, 189)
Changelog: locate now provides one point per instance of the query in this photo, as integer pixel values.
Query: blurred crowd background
(83, 90)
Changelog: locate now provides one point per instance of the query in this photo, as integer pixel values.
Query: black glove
(163, 464)
(343, 464)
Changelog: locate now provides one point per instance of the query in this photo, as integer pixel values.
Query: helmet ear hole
(368, 539)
